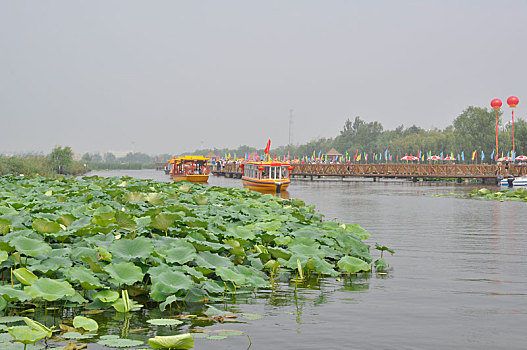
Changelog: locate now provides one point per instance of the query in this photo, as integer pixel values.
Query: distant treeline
(60, 161)
(473, 130)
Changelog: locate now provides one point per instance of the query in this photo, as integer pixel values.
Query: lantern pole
(497, 152)
(496, 104)
(513, 146)
(513, 102)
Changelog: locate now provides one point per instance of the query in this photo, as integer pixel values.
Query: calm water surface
(458, 278)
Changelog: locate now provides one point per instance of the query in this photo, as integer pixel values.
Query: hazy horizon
(173, 77)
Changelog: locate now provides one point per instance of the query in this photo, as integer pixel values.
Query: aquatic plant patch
(119, 243)
(517, 194)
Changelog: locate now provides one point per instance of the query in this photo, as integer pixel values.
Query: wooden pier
(485, 172)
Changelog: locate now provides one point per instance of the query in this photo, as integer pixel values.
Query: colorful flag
(482, 155)
(492, 155)
(358, 157)
(267, 147)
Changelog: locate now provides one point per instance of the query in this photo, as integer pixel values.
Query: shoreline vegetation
(123, 244)
(60, 162)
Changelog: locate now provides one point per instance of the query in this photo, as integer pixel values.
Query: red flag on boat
(268, 147)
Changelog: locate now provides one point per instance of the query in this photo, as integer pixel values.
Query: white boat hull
(519, 181)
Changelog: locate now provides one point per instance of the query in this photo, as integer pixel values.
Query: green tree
(61, 159)
(475, 129)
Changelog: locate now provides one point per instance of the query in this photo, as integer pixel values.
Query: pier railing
(482, 171)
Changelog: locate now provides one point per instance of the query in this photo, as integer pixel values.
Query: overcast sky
(175, 76)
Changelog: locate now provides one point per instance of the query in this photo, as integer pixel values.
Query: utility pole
(290, 125)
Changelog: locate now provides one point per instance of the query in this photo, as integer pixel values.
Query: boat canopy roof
(193, 158)
(267, 163)
(188, 159)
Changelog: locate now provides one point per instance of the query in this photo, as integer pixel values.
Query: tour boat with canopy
(190, 168)
(266, 176)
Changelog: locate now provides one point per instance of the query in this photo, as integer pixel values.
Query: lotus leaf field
(517, 194)
(124, 244)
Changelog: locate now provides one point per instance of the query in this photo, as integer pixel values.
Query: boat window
(265, 173)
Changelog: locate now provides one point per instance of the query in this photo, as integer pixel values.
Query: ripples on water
(458, 279)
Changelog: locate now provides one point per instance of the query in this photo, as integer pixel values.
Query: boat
(190, 168)
(266, 176)
(511, 181)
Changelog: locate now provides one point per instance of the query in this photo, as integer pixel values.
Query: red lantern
(261, 168)
(242, 165)
(290, 168)
(496, 103)
(513, 101)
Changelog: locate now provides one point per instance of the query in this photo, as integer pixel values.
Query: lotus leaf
(130, 249)
(49, 289)
(120, 343)
(25, 276)
(155, 198)
(124, 273)
(5, 226)
(169, 300)
(201, 200)
(83, 276)
(52, 264)
(26, 335)
(323, 267)
(3, 304)
(357, 230)
(106, 296)
(227, 274)
(45, 226)
(194, 222)
(380, 264)
(185, 188)
(169, 282)
(85, 323)
(212, 261)
(77, 335)
(163, 221)
(10, 319)
(3, 256)
(181, 252)
(135, 197)
(125, 221)
(215, 287)
(77, 299)
(212, 311)
(37, 326)
(30, 246)
(103, 254)
(239, 232)
(253, 277)
(164, 322)
(66, 219)
(181, 341)
(11, 294)
(352, 265)
(277, 252)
